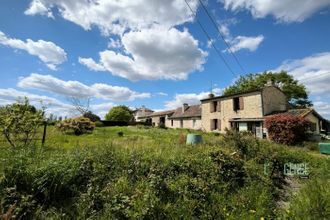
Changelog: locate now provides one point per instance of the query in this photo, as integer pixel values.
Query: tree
(93, 117)
(295, 91)
(80, 104)
(119, 113)
(19, 123)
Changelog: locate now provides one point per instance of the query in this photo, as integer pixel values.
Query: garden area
(142, 172)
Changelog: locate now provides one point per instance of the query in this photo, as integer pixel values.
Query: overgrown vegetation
(150, 174)
(77, 126)
(287, 129)
(19, 123)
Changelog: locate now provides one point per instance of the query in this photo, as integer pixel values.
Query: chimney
(211, 95)
(184, 107)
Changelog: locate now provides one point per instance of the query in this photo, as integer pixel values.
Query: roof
(246, 119)
(300, 112)
(240, 93)
(234, 94)
(161, 113)
(191, 111)
(143, 109)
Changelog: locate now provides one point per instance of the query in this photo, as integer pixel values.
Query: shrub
(120, 134)
(93, 117)
(99, 124)
(76, 126)
(19, 123)
(287, 129)
(119, 113)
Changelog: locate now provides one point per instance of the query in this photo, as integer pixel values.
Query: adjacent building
(140, 114)
(186, 117)
(245, 111)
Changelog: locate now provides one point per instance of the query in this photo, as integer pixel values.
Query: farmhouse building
(244, 111)
(141, 113)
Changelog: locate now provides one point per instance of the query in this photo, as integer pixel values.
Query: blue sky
(153, 53)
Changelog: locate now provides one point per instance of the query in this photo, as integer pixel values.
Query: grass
(151, 174)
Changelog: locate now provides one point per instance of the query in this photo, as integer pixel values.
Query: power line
(210, 40)
(222, 36)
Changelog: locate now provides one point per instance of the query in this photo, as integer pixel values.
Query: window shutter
(211, 107)
(241, 103)
(219, 106)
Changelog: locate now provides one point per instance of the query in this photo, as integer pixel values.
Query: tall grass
(151, 174)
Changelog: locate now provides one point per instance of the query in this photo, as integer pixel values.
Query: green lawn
(152, 174)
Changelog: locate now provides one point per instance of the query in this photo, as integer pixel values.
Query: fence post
(44, 134)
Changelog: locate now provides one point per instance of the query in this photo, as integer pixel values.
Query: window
(238, 103)
(194, 123)
(313, 127)
(171, 123)
(181, 123)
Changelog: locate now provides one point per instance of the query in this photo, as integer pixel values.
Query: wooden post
(44, 134)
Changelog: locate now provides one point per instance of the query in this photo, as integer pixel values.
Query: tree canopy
(295, 91)
(119, 113)
(19, 123)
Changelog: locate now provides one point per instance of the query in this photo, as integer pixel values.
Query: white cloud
(323, 108)
(157, 53)
(189, 98)
(91, 64)
(239, 42)
(114, 44)
(313, 71)
(115, 17)
(284, 11)
(243, 42)
(48, 52)
(162, 93)
(54, 106)
(78, 89)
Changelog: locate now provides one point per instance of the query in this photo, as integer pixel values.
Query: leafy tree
(295, 91)
(119, 113)
(93, 117)
(19, 123)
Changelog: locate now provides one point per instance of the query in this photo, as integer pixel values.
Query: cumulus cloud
(284, 11)
(54, 106)
(157, 53)
(248, 43)
(79, 90)
(48, 52)
(323, 108)
(115, 17)
(189, 98)
(313, 71)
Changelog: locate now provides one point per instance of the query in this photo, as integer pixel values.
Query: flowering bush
(287, 129)
(77, 126)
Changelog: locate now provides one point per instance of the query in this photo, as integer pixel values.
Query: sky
(154, 52)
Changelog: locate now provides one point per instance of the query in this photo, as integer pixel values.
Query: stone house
(141, 113)
(186, 117)
(158, 118)
(243, 111)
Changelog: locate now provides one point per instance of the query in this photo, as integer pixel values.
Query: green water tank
(324, 148)
(194, 139)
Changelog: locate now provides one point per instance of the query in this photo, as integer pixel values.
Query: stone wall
(252, 109)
